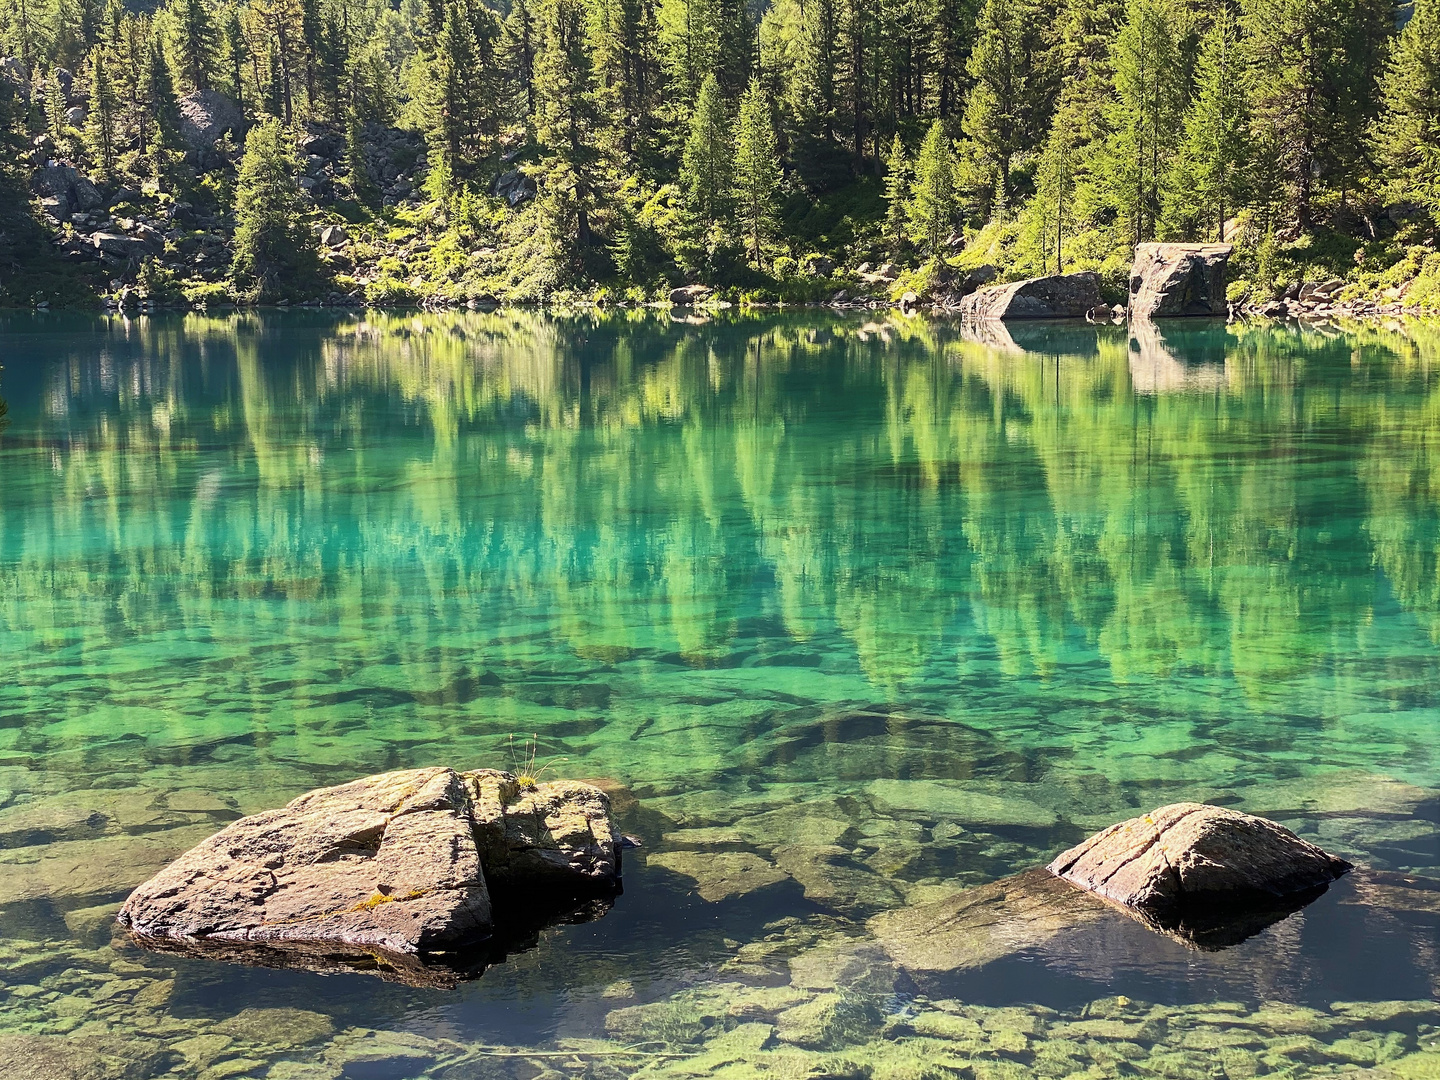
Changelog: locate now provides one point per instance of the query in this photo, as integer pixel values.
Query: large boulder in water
(401, 863)
(1188, 857)
(1178, 279)
(1060, 296)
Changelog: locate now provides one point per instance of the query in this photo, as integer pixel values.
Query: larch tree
(1006, 112)
(1147, 111)
(1208, 180)
(757, 169)
(194, 42)
(163, 111)
(566, 120)
(100, 120)
(1314, 67)
(932, 205)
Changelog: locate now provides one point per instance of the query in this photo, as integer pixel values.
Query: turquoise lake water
(853, 613)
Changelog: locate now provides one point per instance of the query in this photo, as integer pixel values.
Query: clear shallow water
(872, 611)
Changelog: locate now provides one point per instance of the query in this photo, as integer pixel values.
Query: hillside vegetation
(452, 151)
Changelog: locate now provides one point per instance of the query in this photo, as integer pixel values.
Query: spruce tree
(897, 194)
(274, 251)
(194, 42)
(705, 171)
(100, 120)
(1407, 138)
(1209, 178)
(932, 206)
(757, 169)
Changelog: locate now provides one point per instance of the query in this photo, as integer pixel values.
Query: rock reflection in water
(518, 929)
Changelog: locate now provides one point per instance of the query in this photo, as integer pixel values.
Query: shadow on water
(518, 927)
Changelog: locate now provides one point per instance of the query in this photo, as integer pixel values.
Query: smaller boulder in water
(1186, 857)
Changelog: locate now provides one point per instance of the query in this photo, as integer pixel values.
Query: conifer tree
(688, 45)
(757, 169)
(452, 110)
(932, 207)
(705, 169)
(1407, 138)
(1006, 110)
(566, 114)
(100, 120)
(273, 96)
(897, 194)
(517, 46)
(1314, 71)
(1146, 114)
(194, 42)
(237, 54)
(274, 252)
(1208, 180)
(162, 108)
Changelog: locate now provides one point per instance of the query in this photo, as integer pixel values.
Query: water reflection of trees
(633, 485)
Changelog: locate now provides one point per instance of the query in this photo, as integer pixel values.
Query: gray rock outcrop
(1061, 296)
(64, 191)
(205, 115)
(1188, 856)
(1178, 279)
(401, 863)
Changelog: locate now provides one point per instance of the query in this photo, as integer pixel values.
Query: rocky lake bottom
(851, 617)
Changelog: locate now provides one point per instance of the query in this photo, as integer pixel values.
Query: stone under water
(384, 874)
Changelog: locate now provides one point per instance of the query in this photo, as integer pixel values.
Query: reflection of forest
(1208, 500)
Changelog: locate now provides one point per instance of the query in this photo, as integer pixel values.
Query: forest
(529, 150)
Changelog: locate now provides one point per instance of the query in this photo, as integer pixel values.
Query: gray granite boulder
(1060, 296)
(72, 192)
(398, 864)
(205, 115)
(1187, 856)
(1178, 279)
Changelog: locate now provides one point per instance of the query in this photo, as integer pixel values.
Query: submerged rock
(1178, 279)
(1060, 296)
(983, 924)
(379, 872)
(1188, 855)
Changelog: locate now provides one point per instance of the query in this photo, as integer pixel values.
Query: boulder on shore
(1060, 296)
(686, 295)
(205, 115)
(399, 864)
(1189, 857)
(1178, 279)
